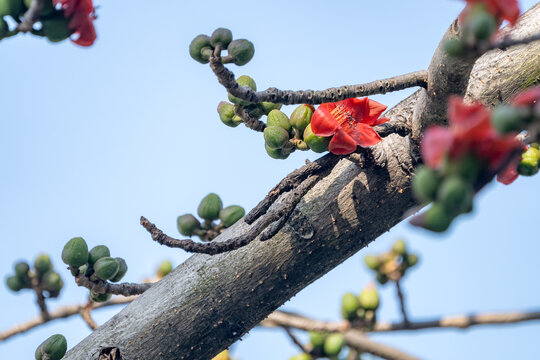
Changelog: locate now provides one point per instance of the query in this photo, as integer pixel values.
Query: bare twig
(40, 298)
(282, 318)
(508, 42)
(87, 316)
(282, 210)
(31, 15)
(401, 299)
(60, 313)
(289, 97)
(249, 121)
(105, 287)
(357, 340)
(295, 340)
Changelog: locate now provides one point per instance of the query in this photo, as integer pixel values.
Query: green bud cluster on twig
(392, 265)
(96, 264)
(210, 209)
(41, 278)
(53, 348)
(361, 309)
(240, 51)
(322, 344)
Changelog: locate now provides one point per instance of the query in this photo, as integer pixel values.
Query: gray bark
(208, 302)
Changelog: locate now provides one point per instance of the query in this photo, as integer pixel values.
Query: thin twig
(87, 316)
(295, 340)
(31, 15)
(282, 318)
(216, 247)
(105, 287)
(357, 340)
(289, 97)
(508, 42)
(250, 122)
(60, 313)
(401, 299)
(40, 298)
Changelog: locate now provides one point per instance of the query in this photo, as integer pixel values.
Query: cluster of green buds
(239, 51)
(478, 27)
(282, 135)
(164, 269)
(530, 160)
(210, 209)
(54, 25)
(96, 264)
(451, 190)
(322, 344)
(41, 278)
(361, 309)
(392, 265)
(54, 348)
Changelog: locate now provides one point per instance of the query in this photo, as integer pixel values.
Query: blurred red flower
(82, 15)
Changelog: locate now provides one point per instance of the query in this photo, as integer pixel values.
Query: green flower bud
(455, 195)
(42, 264)
(454, 47)
(196, 45)
(349, 306)
(528, 165)
(275, 137)
(467, 167)
(399, 247)
(187, 224)
(164, 268)
(276, 153)
(209, 207)
(122, 269)
(437, 218)
(333, 344)
(243, 80)
(369, 298)
(301, 145)
(226, 114)
(425, 184)
(507, 119)
(372, 262)
(48, 7)
(316, 143)
(13, 8)
(95, 297)
(381, 278)
(302, 356)
(268, 106)
(54, 348)
(482, 24)
(4, 28)
(97, 253)
(222, 37)
(231, 214)
(75, 252)
(301, 117)
(56, 27)
(278, 118)
(21, 269)
(206, 53)
(52, 281)
(106, 268)
(317, 338)
(411, 260)
(241, 50)
(13, 283)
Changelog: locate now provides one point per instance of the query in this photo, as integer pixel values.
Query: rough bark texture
(210, 301)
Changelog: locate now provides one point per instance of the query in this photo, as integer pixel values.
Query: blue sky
(94, 138)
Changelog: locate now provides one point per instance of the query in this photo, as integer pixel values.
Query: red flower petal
(508, 9)
(435, 145)
(87, 34)
(356, 107)
(509, 174)
(323, 122)
(527, 98)
(375, 110)
(341, 143)
(364, 135)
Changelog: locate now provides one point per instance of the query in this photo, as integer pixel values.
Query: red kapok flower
(81, 14)
(350, 122)
(502, 9)
(529, 97)
(470, 132)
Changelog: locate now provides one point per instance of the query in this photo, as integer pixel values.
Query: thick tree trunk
(210, 301)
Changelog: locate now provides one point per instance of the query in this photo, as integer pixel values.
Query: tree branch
(105, 287)
(314, 97)
(357, 340)
(207, 303)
